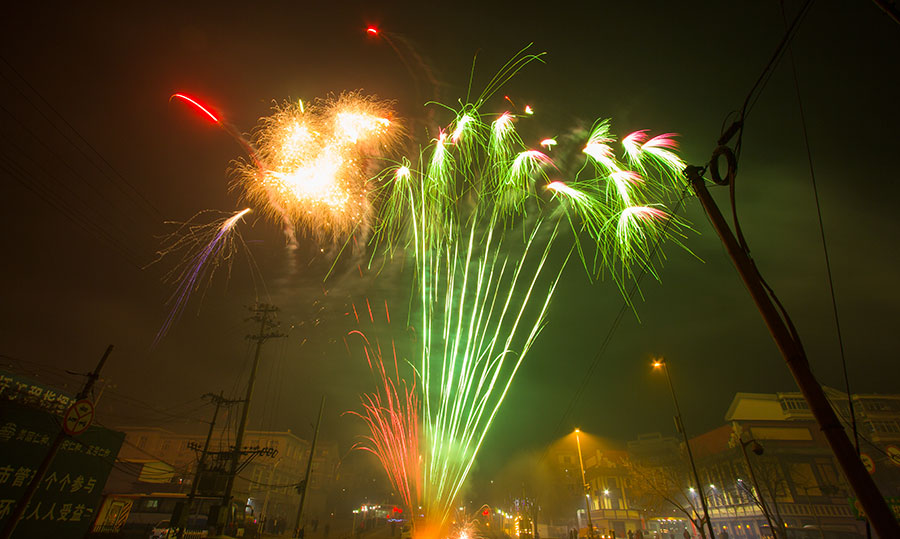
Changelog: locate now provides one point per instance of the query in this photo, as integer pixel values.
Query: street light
(660, 363)
(758, 450)
(584, 485)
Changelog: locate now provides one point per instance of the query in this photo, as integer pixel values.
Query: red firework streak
(391, 413)
(206, 112)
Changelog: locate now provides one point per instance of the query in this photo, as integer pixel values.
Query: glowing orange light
(372, 31)
(198, 106)
(315, 174)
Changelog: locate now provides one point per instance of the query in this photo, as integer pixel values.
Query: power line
(615, 325)
(71, 169)
(84, 221)
(118, 180)
(815, 188)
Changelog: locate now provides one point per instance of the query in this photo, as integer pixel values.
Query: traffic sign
(867, 462)
(78, 417)
(894, 453)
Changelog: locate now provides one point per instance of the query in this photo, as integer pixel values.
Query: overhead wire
(815, 189)
(84, 211)
(168, 412)
(737, 128)
(65, 209)
(114, 461)
(160, 415)
(749, 102)
(136, 195)
(51, 375)
(626, 306)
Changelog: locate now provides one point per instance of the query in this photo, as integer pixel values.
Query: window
(829, 476)
(877, 405)
(889, 427)
(793, 403)
(805, 483)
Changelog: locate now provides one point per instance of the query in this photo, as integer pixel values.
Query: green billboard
(69, 494)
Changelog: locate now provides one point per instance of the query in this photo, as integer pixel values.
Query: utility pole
(181, 520)
(788, 342)
(20, 507)
(305, 484)
(264, 314)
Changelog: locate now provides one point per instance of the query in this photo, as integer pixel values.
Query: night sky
(77, 236)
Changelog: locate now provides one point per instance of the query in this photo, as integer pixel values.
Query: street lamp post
(679, 424)
(757, 449)
(584, 486)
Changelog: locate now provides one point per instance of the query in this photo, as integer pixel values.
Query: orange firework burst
(314, 163)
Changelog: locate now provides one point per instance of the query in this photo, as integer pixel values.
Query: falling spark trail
(391, 414)
(480, 214)
(202, 264)
(482, 237)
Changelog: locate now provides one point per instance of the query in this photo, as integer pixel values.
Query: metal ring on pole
(731, 161)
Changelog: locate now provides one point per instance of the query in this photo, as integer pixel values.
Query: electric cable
(91, 227)
(615, 325)
(120, 179)
(749, 101)
(71, 169)
(737, 128)
(815, 189)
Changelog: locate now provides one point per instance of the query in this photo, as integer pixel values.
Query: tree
(657, 487)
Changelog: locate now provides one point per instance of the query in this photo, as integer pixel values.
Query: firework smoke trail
(425, 70)
(218, 247)
(391, 414)
(482, 233)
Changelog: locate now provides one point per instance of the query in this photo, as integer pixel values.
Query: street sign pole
(19, 510)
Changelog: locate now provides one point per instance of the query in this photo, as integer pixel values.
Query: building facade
(160, 460)
(768, 466)
(609, 483)
(801, 479)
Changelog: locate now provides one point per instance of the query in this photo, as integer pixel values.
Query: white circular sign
(78, 417)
